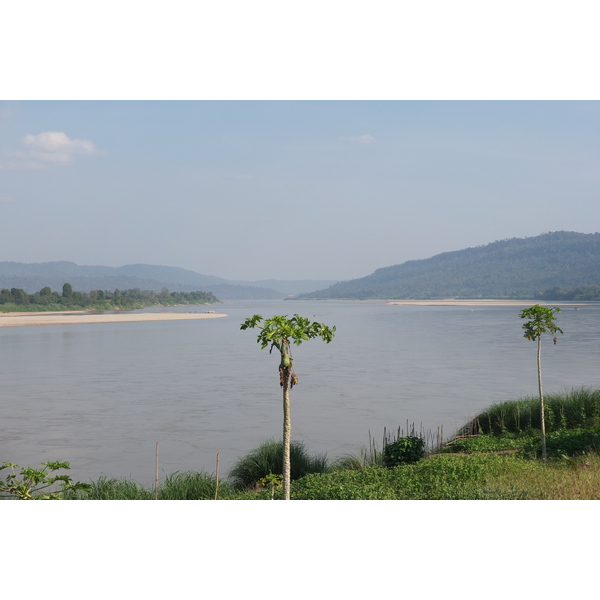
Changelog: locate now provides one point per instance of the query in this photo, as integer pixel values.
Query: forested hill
(513, 268)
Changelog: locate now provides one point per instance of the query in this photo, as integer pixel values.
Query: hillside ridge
(509, 268)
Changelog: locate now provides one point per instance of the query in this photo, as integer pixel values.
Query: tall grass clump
(366, 457)
(113, 489)
(576, 408)
(268, 458)
(191, 485)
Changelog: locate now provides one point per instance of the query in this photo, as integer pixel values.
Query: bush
(39, 484)
(404, 451)
(574, 442)
(268, 459)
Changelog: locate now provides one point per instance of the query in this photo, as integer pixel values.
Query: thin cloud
(358, 139)
(45, 149)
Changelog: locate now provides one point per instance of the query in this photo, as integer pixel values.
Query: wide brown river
(102, 396)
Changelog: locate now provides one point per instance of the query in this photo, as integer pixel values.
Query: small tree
(35, 484)
(278, 332)
(541, 321)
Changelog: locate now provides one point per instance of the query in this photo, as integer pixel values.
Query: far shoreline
(23, 319)
(483, 302)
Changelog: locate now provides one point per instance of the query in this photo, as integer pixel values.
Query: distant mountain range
(32, 277)
(512, 268)
(557, 262)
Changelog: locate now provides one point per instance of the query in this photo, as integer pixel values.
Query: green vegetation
(580, 293)
(457, 477)
(39, 484)
(16, 300)
(573, 409)
(267, 460)
(404, 451)
(177, 486)
(514, 268)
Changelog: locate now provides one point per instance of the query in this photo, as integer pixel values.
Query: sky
(256, 190)
(263, 143)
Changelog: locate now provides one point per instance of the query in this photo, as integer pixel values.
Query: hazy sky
(289, 189)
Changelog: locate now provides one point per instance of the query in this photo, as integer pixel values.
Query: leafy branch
(34, 484)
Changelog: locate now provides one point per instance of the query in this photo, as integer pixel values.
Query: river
(102, 396)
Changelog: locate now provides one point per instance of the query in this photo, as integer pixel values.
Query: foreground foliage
(39, 484)
(577, 408)
(457, 477)
(267, 459)
(477, 476)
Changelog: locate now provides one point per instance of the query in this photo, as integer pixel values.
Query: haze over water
(101, 396)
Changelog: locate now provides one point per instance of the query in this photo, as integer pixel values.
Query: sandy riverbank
(85, 318)
(453, 302)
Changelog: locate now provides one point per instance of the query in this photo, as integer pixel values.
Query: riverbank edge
(23, 319)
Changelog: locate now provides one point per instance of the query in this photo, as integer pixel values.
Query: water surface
(101, 396)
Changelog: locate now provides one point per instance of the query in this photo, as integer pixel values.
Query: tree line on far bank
(70, 299)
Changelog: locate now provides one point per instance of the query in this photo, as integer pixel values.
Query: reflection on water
(101, 396)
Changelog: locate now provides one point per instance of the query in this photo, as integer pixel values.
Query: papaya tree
(279, 332)
(541, 320)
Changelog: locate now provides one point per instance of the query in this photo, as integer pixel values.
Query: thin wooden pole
(156, 476)
(217, 479)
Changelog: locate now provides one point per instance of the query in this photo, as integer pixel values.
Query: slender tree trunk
(287, 433)
(542, 415)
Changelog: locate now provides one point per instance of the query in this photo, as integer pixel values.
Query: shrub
(37, 484)
(356, 462)
(573, 442)
(268, 459)
(404, 451)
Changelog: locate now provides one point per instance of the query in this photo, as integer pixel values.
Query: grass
(188, 485)
(478, 476)
(268, 458)
(579, 407)
(457, 477)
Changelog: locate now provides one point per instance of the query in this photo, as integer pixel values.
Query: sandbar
(486, 302)
(85, 318)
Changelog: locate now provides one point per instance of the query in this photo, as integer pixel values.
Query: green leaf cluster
(404, 451)
(541, 320)
(279, 330)
(35, 484)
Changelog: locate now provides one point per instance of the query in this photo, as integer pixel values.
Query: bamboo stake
(156, 476)
(217, 478)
